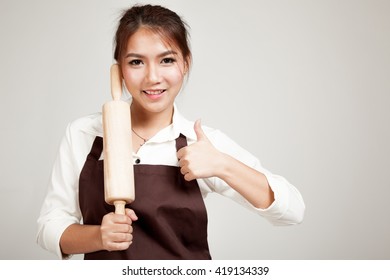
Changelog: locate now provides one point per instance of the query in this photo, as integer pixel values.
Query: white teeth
(154, 92)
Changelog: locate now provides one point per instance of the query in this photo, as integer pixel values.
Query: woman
(176, 162)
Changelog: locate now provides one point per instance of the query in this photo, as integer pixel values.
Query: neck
(148, 124)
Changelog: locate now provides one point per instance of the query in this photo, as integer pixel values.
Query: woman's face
(153, 72)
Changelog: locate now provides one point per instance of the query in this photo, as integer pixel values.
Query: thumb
(200, 135)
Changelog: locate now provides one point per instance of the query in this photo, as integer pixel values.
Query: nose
(153, 74)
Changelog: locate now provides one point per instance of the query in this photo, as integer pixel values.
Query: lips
(154, 94)
(154, 91)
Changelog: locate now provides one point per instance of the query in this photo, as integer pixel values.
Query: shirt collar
(93, 124)
(180, 125)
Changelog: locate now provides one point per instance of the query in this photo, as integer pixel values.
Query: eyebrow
(137, 55)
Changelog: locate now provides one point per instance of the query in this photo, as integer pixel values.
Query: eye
(168, 60)
(135, 62)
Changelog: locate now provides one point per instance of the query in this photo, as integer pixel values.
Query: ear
(187, 65)
(120, 69)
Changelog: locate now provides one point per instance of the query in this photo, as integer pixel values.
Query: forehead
(149, 41)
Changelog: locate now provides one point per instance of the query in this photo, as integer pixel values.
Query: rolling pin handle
(120, 207)
(116, 82)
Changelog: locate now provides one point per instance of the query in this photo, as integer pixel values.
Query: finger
(189, 176)
(180, 153)
(120, 237)
(200, 135)
(122, 228)
(184, 170)
(121, 219)
(118, 246)
(131, 214)
(112, 218)
(183, 156)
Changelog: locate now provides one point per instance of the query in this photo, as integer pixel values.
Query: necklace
(140, 137)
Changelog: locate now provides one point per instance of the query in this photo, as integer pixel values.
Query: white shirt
(61, 205)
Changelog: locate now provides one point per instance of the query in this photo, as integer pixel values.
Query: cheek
(132, 82)
(175, 77)
(132, 77)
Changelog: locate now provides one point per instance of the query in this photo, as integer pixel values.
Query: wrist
(224, 166)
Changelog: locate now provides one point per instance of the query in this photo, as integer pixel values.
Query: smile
(154, 92)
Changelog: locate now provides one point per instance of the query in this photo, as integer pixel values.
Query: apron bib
(172, 218)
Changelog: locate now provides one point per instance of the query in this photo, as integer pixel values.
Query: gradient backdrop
(303, 85)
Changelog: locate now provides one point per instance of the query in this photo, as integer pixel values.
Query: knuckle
(124, 237)
(185, 161)
(188, 177)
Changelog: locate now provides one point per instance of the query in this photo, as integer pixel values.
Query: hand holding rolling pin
(116, 230)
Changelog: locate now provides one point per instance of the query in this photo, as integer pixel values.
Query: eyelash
(135, 62)
(167, 60)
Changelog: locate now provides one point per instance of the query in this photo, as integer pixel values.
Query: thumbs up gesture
(200, 159)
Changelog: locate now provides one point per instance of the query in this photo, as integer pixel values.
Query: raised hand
(200, 159)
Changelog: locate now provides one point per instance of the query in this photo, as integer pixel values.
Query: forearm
(250, 183)
(81, 239)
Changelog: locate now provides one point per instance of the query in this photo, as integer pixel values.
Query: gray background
(303, 85)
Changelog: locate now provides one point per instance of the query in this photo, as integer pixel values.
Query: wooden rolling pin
(117, 147)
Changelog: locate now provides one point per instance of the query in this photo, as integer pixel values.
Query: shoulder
(89, 124)
(186, 127)
(79, 136)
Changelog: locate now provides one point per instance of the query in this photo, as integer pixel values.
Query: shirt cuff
(288, 206)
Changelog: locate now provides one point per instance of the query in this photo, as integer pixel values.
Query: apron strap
(97, 148)
(181, 142)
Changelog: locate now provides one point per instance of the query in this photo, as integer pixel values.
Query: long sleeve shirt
(61, 208)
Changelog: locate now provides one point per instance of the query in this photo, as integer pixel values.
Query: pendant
(142, 143)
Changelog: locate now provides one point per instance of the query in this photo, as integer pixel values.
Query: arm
(202, 160)
(60, 208)
(59, 228)
(80, 239)
(250, 183)
(233, 172)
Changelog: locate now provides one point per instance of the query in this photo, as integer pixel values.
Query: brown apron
(172, 218)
